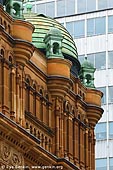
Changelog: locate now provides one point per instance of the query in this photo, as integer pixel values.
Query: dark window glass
(101, 164)
(100, 131)
(60, 8)
(50, 9)
(70, 7)
(79, 29)
(110, 24)
(81, 6)
(110, 59)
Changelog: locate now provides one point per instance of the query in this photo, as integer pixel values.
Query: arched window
(31, 129)
(88, 79)
(50, 145)
(2, 52)
(34, 100)
(55, 48)
(41, 105)
(1, 21)
(16, 8)
(9, 29)
(34, 132)
(5, 25)
(27, 94)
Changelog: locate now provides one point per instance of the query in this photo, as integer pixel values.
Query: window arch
(27, 94)
(16, 8)
(55, 48)
(34, 100)
(2, 53)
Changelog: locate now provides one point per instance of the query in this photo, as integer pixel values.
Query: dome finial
(28, 7)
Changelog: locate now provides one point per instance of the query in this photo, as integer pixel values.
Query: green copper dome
(43, 25)
(87, 64)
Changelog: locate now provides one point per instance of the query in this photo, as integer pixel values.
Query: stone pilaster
(5, 88)
(76, 139)
(65, 135)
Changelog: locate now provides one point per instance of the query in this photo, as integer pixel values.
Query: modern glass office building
(90, 22)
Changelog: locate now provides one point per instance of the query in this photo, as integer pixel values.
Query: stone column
(89, 149)
(82, 145)
(76, 139)
(5, 89)
(65, 135)
(23, 99)
(37, 106)
(86, 149)
(93, 150)
(1, 83)
(70, 138)
(12, 91)
(17, 97)
(61, 136)
(31, 101)
(57, 133)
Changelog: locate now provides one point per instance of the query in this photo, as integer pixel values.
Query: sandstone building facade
(47, 114)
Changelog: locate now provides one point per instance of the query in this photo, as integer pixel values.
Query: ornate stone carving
(10, 156)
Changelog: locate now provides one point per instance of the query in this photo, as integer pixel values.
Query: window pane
(79, 29)
(100, 26)
(110, 3)
(69, 27)
(101, 164)
(70, 7)
(90, 27)
(50, 9)
(110, 24)
(41, 9)
(110, 59)
(103, 89)
(100, 131)
(91, 58)
(60, 8)
(110, 163)
(100, 60)
(91, 5)
(111, 130)
(81, 6)
(110, 97)
(81, 58)
(102, 4)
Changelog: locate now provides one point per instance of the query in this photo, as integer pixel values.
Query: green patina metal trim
(42, 25)
(87, 73)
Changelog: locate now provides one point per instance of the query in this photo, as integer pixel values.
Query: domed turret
(53, 41)
(87, 73)
(46, 26)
